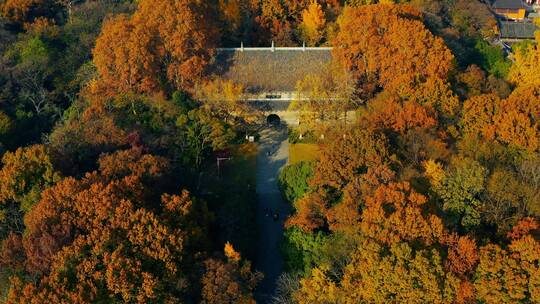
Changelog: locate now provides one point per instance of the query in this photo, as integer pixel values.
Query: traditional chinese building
(511, 31)
(270, 74)
(510, 9)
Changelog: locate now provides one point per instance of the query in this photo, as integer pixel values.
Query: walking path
(272, 156)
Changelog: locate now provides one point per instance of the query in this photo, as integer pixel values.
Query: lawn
(303, 152)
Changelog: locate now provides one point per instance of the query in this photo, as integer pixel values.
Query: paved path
(269, 259)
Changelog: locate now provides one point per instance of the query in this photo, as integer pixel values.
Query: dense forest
(111, 119)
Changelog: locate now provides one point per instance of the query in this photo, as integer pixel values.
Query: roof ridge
(277, 49)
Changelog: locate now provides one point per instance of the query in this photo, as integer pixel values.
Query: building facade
(510, 9)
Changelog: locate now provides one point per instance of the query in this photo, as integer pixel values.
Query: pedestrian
(266, 212)
(276, 217)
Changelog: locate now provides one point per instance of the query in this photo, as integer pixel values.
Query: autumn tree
(522, 72)
(507, 199)
(477, 115)
(224, 99)
(512, 121)
(353, 152)
(517, 119)
(414, 127)
(405, 222)
(130, 51)
(26, 11)
(394, 115)
(437, 94)
(272, 18)
(313, 23)
(229, 282)
(375, 42)
(115, 243)
(324, 97)
(509, 274)
(460, 190)
(472, 80)
(377, 274)
(462, 254)
(356, 160)
(202, 134)
(25, 174)
(282, 21)
(232, 13)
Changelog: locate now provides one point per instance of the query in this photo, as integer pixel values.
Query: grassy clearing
(303, 152)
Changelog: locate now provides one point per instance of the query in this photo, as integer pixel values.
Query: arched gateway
(270, 74)
(273, 120)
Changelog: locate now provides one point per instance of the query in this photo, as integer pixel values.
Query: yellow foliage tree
(313, 22)
(434, 172)
(224, 98)
(376, 274)
(524, 70)
(509, 275)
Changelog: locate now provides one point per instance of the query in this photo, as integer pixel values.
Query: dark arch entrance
(273, 119)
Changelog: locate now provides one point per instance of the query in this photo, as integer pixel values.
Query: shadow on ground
(272, 156)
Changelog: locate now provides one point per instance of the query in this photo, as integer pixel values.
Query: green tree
(460, 189)
(492, 59)
(293, 180)
(201, 134)
(302, 250)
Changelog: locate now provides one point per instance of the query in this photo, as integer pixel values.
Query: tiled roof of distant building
(510, 4)
(270, 69)
(517, 30)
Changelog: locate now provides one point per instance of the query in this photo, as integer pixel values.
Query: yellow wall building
(510, 9)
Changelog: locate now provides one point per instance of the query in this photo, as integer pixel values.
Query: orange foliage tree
(229, 282)
(354, 162)
(396, 116)
(170, 41)
(414, 126)
(25, 11)
(513, 121)
(103, 238)
(406, 221)
(388, 47)
(350, 153)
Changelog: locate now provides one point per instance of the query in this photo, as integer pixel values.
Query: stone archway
(273, 120)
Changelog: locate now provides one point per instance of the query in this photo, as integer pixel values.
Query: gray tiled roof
(511, 4)
(261, 70)
(517, 30)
